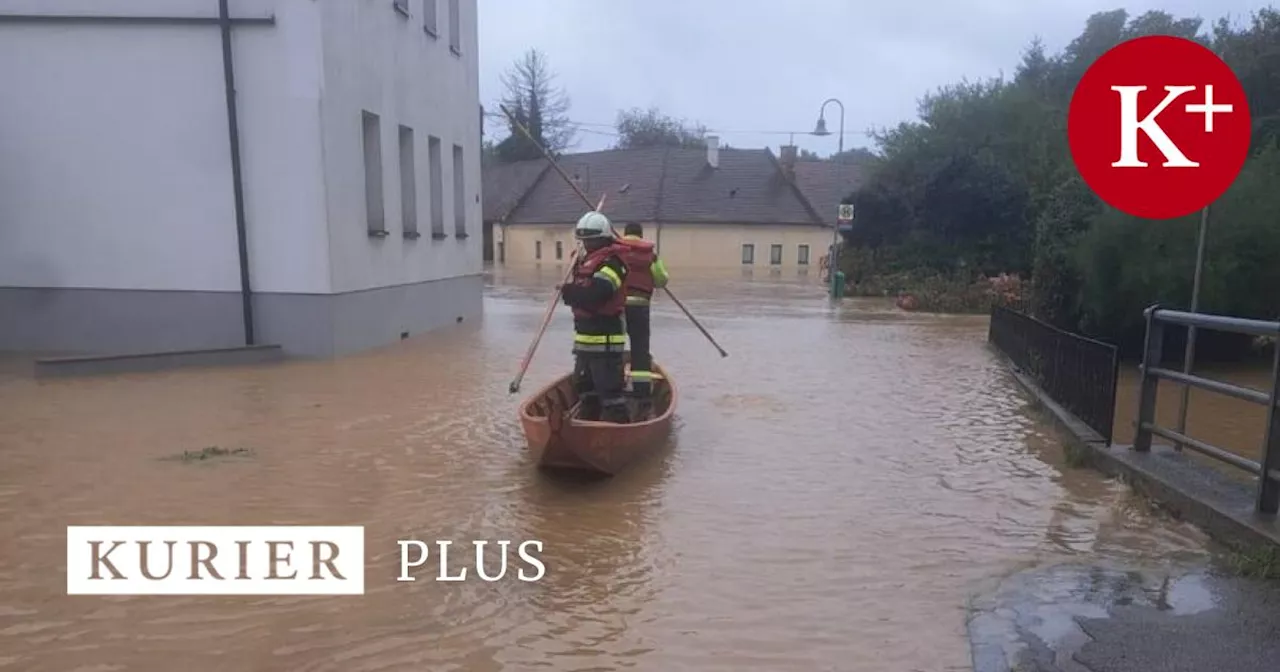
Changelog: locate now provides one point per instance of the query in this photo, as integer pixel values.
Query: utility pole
(1188, 356)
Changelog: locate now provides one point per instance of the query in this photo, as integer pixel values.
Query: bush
(938, 293)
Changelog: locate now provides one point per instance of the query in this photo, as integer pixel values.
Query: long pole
(585, 199)
(237, 182)
(1188, 356)
(546, 317)
(546, 321)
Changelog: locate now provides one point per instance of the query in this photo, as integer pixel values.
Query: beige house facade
(695, 246)
(704, 209)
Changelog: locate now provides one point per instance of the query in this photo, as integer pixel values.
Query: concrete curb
(1223, 507)
(90, 365)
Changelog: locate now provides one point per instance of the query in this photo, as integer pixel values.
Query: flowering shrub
(940, 294)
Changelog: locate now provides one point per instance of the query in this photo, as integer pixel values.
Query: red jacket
(638, 255)
(593, 268)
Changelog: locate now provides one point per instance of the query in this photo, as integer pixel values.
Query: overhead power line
(590, 127)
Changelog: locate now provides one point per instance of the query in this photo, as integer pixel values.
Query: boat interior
(563, 400)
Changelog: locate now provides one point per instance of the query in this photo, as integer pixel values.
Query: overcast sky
(744, 66)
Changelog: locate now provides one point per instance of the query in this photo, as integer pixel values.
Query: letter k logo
(1136, 133)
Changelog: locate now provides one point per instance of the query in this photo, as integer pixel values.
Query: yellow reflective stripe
(609, 274)
(634, 300)
(641, 375)
(594, 339)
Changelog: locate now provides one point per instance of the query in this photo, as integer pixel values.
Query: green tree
(650, 128)
(984, 181)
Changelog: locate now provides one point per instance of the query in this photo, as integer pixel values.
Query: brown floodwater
(1231, 424)
(833, 495)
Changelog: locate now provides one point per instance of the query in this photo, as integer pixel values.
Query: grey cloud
(744, 65)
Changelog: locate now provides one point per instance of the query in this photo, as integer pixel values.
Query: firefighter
(646, 272)
(597, 294)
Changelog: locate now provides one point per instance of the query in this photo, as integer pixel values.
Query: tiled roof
(632, 179)
(669, 185)
(504, 184)
(747, 188)
(826, 183)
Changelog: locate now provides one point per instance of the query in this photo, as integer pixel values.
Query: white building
(359, 140)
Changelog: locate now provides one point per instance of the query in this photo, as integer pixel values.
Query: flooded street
(834, 494)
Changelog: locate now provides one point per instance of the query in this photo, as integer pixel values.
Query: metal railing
(1268, 471)
(1077, 372)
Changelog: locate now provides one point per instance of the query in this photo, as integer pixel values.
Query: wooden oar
(585, 199)
(546, 321)
(695, 322)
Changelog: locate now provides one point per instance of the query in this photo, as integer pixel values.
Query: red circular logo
(1159, 127)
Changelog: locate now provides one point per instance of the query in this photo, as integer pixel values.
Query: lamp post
(820, 130)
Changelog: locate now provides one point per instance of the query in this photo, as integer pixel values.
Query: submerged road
(839, 494)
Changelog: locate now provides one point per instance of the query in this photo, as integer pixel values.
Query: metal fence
(1077, 372)
(1268, 471)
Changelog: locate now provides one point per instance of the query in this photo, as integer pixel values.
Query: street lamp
(820, 130)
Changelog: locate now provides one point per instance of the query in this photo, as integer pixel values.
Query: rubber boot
(590, 409)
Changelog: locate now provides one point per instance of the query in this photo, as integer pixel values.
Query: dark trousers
(641, 358)
(599, 380)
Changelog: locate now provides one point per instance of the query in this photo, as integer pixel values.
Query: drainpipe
(233, 131)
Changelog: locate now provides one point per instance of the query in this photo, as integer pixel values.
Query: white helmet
(593, 225)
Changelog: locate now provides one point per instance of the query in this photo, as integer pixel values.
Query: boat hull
(557, 440)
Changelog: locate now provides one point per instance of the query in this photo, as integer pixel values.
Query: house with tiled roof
(704, 208)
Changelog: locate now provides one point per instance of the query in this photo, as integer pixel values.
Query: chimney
(788, 160)
(713, 151)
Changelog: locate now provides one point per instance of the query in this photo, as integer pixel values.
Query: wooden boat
(558, 439)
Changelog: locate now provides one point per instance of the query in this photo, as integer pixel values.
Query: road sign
(845, 213)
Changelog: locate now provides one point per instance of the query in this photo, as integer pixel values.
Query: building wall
(694, 246)
(380, 61)
(115, 169)
(115, 175)
(520, 244)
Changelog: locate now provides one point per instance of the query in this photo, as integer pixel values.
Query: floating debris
(211, 452)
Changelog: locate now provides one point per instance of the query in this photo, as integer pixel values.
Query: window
(775, 255)
(802, 255)
(437, 187)
(559, 250)
(373, 205)
(455, 28)
(459, 195)
(537, 249)
(748, 254)
(429, 22)
(401, 6)
(408, 185)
